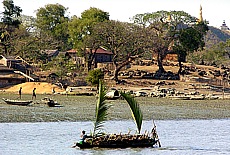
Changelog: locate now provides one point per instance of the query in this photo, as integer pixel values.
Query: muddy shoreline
(82, 108)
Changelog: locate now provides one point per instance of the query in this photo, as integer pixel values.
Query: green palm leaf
(135, 109)
(101, 110)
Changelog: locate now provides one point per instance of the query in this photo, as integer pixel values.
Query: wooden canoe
(17, 102)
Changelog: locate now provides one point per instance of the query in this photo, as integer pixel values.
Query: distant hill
(215, 36)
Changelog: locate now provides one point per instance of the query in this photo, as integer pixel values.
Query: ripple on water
(176, 136)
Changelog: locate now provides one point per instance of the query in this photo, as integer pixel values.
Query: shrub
(94, 76)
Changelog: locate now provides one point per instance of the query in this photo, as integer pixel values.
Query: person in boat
(20, 92)
(83, 137)
(34, 94)
(82, 140)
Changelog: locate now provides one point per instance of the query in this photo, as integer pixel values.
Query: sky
(214, 11)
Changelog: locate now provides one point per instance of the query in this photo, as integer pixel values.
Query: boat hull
(117, 141)
(17, 102)
(134, 145)
(50, 102)
(180, 97)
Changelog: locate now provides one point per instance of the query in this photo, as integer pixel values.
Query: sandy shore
(27, 88)
(82, 108)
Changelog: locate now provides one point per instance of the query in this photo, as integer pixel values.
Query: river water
(177, 137)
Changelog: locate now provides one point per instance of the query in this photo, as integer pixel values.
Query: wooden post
(223, 86)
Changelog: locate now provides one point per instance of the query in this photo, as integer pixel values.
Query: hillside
(214, 36)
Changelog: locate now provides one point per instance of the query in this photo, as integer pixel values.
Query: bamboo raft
(118, 141)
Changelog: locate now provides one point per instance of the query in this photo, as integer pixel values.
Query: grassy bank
(82, 108)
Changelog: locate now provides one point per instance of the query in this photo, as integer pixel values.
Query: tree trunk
(180, 67)
(91, 57)
(160, 63)
(181, 57)
(89, 67)
(115, 75)
(5, 50)
(118, 68)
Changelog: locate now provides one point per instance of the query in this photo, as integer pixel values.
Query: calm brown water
(82, 108)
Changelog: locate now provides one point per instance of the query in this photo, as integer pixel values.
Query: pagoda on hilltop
(200, 15)
(200, 19)
(224, 27)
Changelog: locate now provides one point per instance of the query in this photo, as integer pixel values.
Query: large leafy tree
(52, 23)
(80, 28)
(9, 23)
(61, 65)
(125, 40)
(11, 13)
(29, 23)
(28, 45)
(172, 28)
(189, 40)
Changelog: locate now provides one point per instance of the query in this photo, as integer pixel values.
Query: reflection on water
(176, 136)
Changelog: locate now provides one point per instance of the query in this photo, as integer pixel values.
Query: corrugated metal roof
(102, 51)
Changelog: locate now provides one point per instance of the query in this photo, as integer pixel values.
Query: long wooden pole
(154, 127)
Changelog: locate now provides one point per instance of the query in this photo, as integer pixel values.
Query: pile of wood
(122, 140)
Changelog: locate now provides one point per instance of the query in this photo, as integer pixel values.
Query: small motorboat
(17, 102)
(195, 97)
(50, 102)
(179, 97)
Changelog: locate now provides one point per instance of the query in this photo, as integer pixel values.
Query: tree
(11, 13)
(19, 40)
(28, 44)
(94, 76)
(175, 31)
(29, 23)
(61, 65)
(81, 27)
(217, 54)
(125, 40)
(190, 39)
(52, 23)
(9, 24)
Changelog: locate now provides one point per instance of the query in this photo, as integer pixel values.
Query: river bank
(82, 108)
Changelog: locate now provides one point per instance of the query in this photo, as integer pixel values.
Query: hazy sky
(214, 11)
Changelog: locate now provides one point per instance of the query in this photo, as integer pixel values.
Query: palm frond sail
(135, 109)
(101, 110)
